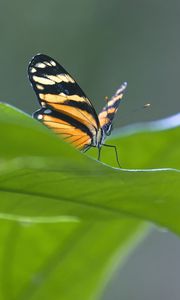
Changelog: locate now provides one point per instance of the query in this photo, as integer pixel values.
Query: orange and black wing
(65, 107)
(107, 114)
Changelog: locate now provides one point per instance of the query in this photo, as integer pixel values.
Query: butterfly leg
(99, 154)
(86, 149)
(115, 149)
(99, 151)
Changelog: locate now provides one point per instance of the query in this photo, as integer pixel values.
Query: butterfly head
(107, 128)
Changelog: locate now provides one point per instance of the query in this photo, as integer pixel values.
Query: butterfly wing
(107, 114)
(65, 107)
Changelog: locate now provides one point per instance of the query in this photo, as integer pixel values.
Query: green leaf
(43, 179)
(42, 176)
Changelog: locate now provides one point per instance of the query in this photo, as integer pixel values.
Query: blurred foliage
(102, 44)
(61, 260)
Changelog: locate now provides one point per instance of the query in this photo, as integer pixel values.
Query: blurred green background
(103, 43)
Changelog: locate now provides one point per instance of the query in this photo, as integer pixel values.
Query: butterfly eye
(107, 129)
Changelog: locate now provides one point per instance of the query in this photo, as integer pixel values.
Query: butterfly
(66, 109)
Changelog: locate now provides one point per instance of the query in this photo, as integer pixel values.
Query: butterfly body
(66, 109)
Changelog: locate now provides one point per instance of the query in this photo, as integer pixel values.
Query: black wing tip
(122, 88)
(38, 58)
